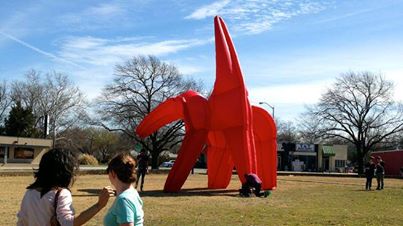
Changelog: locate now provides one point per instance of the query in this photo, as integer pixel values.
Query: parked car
(170, 163)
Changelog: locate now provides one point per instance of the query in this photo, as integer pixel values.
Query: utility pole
(54, 132)
(272, 108)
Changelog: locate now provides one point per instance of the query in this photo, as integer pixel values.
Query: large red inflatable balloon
(236, 133)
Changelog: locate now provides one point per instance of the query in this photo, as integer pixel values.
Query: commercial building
(311, 157)
(393, 161)
(332, 158)
(23, 149)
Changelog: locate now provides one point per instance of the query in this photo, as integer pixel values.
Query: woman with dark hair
(127, 209)
(55, 176)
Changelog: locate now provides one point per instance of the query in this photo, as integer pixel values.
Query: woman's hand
(87, 214)
(104, 196)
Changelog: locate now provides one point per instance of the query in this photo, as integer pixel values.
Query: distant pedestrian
(369, 173)
(142, 167)
(380, 172)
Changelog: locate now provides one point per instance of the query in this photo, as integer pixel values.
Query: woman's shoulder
(130, 194)
(63, 191)
(35, 192)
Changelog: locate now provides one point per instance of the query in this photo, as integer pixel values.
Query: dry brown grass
(299, 200)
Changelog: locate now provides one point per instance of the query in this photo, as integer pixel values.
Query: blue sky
(290, 51)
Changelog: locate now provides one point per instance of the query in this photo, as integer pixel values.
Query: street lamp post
(272, 107)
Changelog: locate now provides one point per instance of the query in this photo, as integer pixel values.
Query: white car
(170, 163)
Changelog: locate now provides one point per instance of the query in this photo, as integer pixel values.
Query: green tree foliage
(20, 122)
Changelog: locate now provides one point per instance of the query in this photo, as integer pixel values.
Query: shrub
(86, 159)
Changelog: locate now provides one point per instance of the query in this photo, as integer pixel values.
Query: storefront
(297, 157)
(22, 149)
(332, 158)
(304, 158)
(311, 157)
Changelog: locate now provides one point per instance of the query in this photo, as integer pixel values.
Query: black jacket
(380, 168)
(369, 169)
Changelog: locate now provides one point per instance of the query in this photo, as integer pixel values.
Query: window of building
(23, 153)
(340, 163)
(3, 152)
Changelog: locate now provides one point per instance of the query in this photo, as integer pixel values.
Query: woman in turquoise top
(127, 209)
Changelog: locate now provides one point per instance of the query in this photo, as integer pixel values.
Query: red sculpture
(236, 133)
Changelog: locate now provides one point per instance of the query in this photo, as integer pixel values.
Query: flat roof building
(23, 149)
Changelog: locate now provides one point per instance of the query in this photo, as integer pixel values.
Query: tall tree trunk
(361, 165)
(154, 159)
(360, 158)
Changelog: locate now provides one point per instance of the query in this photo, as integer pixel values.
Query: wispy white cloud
(94, 17)
(208, 10)
(18, 23)
(107, 10)
(98, 51)
(47, 54)
(253, 17)
(189, 69)
(347, 15)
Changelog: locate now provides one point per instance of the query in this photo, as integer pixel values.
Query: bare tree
(5, 101)
(95, 141)
(359, 108)
(28, 91)
(286, 131)
(77, 139)
(139, 86)
(105, 143)
(309, 129)
(53, 95)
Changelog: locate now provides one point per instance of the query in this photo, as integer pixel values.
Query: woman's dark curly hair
(124, 165)
(57, 169)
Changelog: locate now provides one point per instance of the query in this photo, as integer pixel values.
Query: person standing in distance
(142, 167)
(380, 172)
(369, 173)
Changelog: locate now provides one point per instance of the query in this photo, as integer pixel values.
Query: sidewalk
(28, 169)
(319, 174)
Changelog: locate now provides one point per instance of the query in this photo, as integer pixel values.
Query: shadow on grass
(334, 183)
(320, 182)
(160, 193)
(89, 191)
(191, 192)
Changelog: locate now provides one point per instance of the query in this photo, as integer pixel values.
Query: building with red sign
(393, 161)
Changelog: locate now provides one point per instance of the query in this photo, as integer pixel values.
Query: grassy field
(299, 200)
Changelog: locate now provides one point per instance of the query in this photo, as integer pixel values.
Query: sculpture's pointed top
(228, 71)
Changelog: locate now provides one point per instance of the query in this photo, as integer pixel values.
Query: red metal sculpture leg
(219, 162)
(266, 147)
(192, 108)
